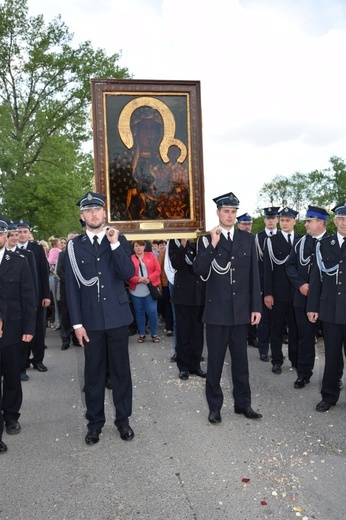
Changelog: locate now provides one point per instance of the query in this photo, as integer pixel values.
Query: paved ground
(178, 467)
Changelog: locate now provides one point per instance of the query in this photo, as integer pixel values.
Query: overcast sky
(272, 75)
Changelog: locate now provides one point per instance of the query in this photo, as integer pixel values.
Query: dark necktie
(95, 244)
(289, 239)
(343, 247)
(228, 236)
(271, 233)
(22, 247)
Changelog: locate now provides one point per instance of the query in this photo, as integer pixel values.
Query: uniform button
(233, 281)
(234, 294)
(340, 272)
(99, 272)
(102, 286)
(98, 259)
(339, 293)
(232, 257)
(104, 299)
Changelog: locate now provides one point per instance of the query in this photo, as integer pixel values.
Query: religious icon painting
(148, 155)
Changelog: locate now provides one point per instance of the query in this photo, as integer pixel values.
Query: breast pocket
(11, 278)
(86, 267)
(243, 256)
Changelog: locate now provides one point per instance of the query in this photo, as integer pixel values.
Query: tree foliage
(44, 117)
(324, 188)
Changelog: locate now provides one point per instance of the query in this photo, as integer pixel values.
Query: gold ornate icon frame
(149, 157)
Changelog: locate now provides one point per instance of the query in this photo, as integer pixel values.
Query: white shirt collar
(2, 252)
(91, 235)
(225, 231)
(340, 238)
(320, 236)
(270, 232)
(286, 235)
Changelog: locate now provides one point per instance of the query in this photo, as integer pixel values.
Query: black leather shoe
(264, 357)
(12, 427)
(24, 376)
(174, 357)
(253, 343)
(214, 417)
(301, 382)
(248, 412)
(323, 406)
(341, 384)
(3, 447)
(126, 433)
(40, 367)
(277, 369)
(92, 437)
(183, 374)
(199, 372)
(65, 346)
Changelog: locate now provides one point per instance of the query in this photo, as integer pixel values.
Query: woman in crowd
(147, 270)
(63, 243)
(53, 278)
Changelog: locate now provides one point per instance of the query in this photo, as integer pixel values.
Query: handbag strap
(140, 266)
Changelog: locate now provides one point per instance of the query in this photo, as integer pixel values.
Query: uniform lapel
(88, 245)
(105, 244)
(236, 241)
(5, 263)
(225, 244)
(283, 244)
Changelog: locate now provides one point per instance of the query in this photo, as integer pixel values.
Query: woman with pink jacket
(147, 270)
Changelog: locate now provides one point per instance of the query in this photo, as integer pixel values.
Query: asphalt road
(178, 467)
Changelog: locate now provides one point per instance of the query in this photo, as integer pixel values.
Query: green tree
(45, 117)
(323, 188)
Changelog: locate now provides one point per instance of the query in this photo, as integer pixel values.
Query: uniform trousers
(170, 286)
(278, 315)
(189, 330)
(334, 339)
(37, 344)
(1, 418)
(66, 331)
(306, 343)
(218, 338)
(168, 312)
(12, 395)
(263, 331)
(115, 343)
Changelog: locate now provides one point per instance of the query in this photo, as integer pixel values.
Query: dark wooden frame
(111, 99)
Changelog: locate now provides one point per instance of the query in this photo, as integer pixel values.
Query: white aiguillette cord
(76, 271)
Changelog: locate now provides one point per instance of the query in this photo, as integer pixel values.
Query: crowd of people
(230, 287)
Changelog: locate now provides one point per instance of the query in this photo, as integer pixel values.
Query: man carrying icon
(97, 264)
(227, 261)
